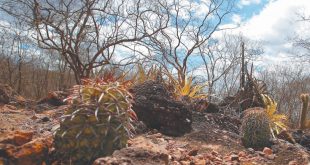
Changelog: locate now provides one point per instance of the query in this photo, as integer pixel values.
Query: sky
(273, 23)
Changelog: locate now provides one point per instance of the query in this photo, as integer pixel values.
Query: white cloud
(273, 26)
(236, 19)
(248, 2)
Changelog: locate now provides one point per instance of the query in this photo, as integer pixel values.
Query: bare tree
(176, 45)
(286, 83)
(86, 32)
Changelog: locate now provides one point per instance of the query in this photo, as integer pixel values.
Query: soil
(214, 139)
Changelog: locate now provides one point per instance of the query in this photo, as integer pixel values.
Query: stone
(54, 98)
(270, 157)
(234, 157)
(214, 153)
(158, 135)
(16, 137)
(285, 135)
(251, 150)
(200, 162)
(112, 160)
(293, 162)
(10, 107)
(34, 117)
(193, 152)
(242, 154)
(45, 119)
(185, 162)
(175, 163)
(260, 153)
(34, 152)
(267, 151)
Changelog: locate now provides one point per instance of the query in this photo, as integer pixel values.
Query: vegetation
(156, 61)
(277, 121)
(98, 121)
(254, 130)
(188, 89)
(304, 123)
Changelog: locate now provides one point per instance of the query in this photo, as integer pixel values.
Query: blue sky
(249, 8)
(273, 23)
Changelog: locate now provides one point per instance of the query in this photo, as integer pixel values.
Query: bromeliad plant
(98, 121)
(187, 89)
(143, 75)
(277, 121)
(190, 90)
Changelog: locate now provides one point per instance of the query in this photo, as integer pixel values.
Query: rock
(111, 161)
(158, 135)
(234, 157)
(185, 162)
(270, 157)
(54, 98)
(214, 153)
(285, 135)
(305, 141)
(34, 117)
(297, 135)
(260, 153)
(193, 152)
(142, 150)
(212, 108)
(45, 119)
(34, 152)
(10, 107)
(175, 163)
(16, 137)
(200, 162)
(155, 106)
(242, 154)
(293, 162)
(251, 150)
(267, 151)
(203, 105)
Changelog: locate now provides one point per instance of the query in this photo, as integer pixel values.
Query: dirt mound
(157, 109)
(6, 92)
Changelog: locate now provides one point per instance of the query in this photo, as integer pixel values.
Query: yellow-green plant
(144, 75)
(188, 89)
(277, 121)
(98, 121)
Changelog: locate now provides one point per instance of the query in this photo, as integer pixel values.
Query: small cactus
(255, 131)
(97, 122)
(305, 101)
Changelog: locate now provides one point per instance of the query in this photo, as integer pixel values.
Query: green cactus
(303, 117)
(97, 123)
(255, 131)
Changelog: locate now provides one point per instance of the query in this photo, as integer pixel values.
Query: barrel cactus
(254, 130)
(98, 122)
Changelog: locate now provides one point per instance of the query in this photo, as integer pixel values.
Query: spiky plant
(143, 74)
(303, 117)
(277, 121)
(254, 130)
(98, 121)
(187, 89)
